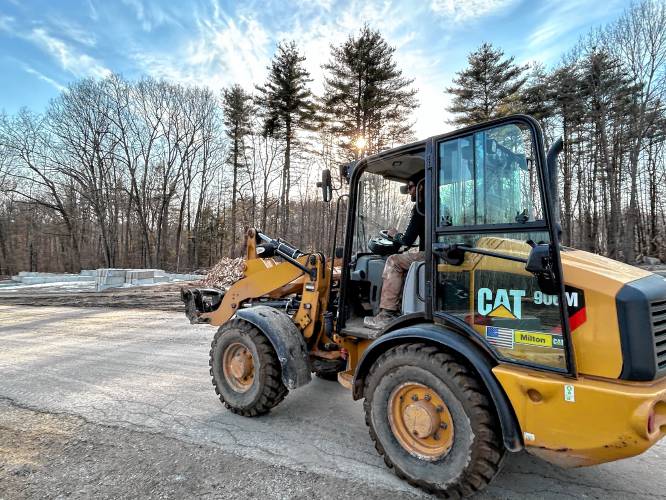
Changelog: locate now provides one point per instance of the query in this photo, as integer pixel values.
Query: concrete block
(110, 278)
(55, 278)
(185, 277)
(140, 277)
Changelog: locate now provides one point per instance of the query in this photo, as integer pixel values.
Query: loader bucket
(200, 300)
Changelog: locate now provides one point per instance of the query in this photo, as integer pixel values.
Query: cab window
(489, 178)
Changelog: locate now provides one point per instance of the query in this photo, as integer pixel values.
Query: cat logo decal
(501, 303)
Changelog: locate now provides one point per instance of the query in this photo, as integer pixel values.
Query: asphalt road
(118, 402)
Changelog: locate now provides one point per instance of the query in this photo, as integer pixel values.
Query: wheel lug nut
(415, 397)
(444, 425)
(439, 409)
(427, 397)
(435, 436)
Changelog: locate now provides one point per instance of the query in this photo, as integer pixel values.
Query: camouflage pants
(395, 269)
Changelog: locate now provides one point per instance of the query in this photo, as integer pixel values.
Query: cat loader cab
(506, 340)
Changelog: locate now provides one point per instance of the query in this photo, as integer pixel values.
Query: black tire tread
(274, 390)
(488, 448)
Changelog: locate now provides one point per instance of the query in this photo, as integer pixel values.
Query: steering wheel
(385, 234)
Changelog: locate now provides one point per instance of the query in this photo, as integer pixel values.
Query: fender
(286, 339)
(448, 338)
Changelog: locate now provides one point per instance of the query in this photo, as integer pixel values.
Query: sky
(45, 45)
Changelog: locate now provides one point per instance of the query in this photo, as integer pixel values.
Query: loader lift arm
(264, 277)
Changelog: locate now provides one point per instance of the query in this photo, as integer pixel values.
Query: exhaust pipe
(551, 165)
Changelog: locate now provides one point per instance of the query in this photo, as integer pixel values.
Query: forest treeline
(147, 173)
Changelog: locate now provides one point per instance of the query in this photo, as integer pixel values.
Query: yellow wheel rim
(238, 367)
(420, 421)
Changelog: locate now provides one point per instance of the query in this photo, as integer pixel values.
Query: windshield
(380, 206)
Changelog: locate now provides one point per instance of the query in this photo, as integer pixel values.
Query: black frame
(356, 173)
(431, 231)
(547, 225)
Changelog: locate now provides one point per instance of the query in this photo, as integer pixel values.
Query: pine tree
(609, 96)
(488, 88)
(237, 108)
(366, 94)
(287, 106)
(536, 98)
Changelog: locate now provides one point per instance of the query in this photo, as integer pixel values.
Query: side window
(489, 178)
(456, 183)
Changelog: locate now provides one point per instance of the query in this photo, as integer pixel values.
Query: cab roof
(399, 163)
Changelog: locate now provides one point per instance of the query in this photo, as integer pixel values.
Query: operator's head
(412, 184)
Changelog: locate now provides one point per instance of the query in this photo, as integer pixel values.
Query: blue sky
(45, 45)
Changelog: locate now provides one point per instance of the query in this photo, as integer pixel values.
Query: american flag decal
(500, 337)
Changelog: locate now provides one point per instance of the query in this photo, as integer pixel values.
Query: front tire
(432, 422)
(246, 372)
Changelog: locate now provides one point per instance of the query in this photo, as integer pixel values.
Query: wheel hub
(420, 421)
(238, 366)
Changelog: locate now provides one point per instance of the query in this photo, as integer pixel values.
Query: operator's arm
(414, 230)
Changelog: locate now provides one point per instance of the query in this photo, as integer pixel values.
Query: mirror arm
(443, 249)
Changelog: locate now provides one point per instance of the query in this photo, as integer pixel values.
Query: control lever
(451, 253)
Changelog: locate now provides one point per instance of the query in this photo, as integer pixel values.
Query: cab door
(495, 253)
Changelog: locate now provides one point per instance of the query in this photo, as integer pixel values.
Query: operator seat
(413, 292)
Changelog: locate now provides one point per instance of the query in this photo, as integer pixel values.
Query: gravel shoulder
(164, 297)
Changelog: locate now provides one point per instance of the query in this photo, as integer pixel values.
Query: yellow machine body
(586, 420)
(571, 346)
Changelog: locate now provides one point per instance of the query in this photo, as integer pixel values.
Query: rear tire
(250, 383)
(465, 451)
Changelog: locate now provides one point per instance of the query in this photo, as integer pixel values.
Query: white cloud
(44, 78)
(6, 23)
(461, 11)
(150, 15)
(315, 4)
(222, 50)
(80, 65)
(563, 18)
(74, 32)
(93, 11)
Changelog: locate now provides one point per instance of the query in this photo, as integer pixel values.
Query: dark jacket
(415, 229)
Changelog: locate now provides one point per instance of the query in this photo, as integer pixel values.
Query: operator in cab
(398, 264)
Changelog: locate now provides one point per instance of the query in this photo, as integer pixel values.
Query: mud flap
(287, 341)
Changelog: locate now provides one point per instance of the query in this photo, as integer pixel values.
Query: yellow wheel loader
(506, 340)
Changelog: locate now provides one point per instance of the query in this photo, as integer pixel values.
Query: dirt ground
(50, 455)
(108, 402)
